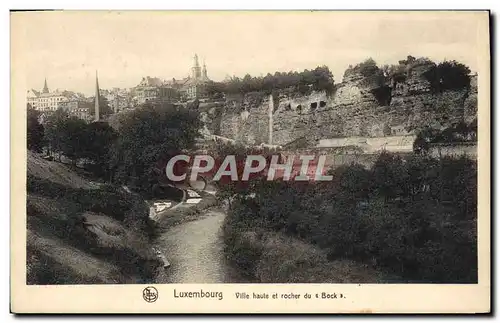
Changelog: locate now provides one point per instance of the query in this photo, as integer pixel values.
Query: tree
(35, 131)
(148, 136)
(390, 177)
(73, 138)
(367, 67)
(54, 131)
(319, 79)
(449, 75)
(352, 182)
(408, 61)
(323, 79)
(99, 139)
(104, 108)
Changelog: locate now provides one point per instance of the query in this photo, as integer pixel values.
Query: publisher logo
(150, 294)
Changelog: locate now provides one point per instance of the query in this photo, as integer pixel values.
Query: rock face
(244, 118)
(470, 104)
(365, 104)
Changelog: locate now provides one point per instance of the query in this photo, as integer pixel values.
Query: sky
(69, 47)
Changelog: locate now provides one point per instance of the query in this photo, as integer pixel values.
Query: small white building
(49, 101)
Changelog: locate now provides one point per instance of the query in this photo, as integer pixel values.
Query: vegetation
(35, 131)
(77, 140)
(98, 143)
(71, 222)
(146, 137)
(457, 133)
(449, 75)
(400, 216)
(104, 108)
(318, 79)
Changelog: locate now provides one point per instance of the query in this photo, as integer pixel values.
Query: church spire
(204, 72)
(96, 116)
(45, 87)
(196, 64)
(196, 69)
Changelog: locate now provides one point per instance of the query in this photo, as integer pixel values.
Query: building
(153, 89)
(147, 90)
(46, 100)
(119, 99)
(78, 108)
(195, 86)
(32, 98)
(77, 105)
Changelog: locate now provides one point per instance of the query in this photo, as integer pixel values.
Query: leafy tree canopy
(449, 75)
(147, 138)
(35, 131)
(318, 79)
(104, 108)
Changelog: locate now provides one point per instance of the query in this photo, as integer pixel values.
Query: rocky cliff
(366, 103)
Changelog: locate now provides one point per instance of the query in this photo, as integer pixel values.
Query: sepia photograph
(238, 147)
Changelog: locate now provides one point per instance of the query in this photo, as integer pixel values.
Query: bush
(456, 133)
(389, 176)
(414, 216)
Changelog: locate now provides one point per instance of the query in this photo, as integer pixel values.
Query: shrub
(414, 216)
(389, 176)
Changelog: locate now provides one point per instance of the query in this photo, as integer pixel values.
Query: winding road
(195, 251)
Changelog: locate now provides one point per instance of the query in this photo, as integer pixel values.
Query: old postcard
(250, 162)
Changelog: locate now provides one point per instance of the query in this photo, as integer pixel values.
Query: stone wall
(243, 118)
(361, 105)
(454, 149)
(372, 144)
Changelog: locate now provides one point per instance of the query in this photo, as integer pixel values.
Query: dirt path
(195, 251)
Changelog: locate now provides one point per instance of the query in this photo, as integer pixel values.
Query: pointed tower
(45, 87)
(196, 70)
(204, 75)
(96, 116)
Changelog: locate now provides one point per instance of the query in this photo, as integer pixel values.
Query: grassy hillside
(81, 232)
(272, 257)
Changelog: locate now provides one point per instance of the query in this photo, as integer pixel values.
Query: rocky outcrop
(416, 104)
(470, 104)
(244, 118)
(366, 103)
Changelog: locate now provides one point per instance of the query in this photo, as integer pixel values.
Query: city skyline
(124, 47)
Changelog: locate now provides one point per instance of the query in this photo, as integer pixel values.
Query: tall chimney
(96, 116)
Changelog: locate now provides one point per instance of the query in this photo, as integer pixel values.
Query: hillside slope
(83, 233)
